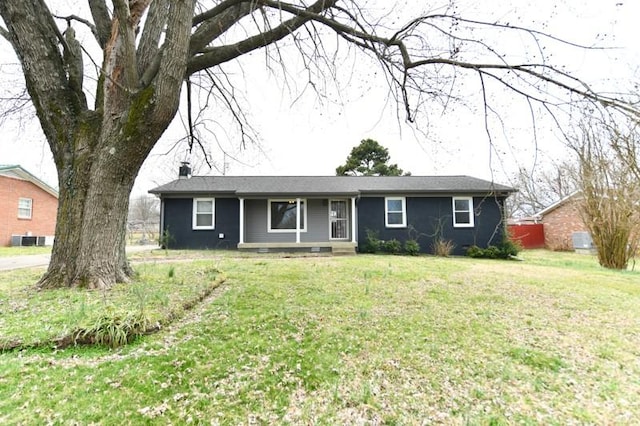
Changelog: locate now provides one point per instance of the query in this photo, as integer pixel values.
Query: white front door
(339, 219)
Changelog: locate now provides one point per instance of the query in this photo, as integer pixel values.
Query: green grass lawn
(552, 339)
(22, 251)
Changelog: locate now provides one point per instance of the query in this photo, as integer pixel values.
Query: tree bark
(89, 250)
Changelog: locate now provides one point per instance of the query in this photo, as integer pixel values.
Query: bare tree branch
(74, 65)
(102, 20)
(124, 17)
(5, 34)
(83, 21)
(217, 10)
(174, 58)
(149, 47)
(226, 16)
(48, 77)
(217, 55)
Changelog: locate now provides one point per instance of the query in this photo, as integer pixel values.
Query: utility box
(582, 243)
(30, 240)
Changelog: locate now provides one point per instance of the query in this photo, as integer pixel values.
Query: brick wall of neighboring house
(43, 213)
(560, 224)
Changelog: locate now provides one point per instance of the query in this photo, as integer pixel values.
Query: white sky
(312, 136)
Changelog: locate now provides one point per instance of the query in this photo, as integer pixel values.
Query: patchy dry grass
(362, 340)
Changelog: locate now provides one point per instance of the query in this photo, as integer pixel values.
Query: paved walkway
(35, 260)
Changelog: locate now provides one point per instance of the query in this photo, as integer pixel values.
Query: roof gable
(17, 172)
(557, 204)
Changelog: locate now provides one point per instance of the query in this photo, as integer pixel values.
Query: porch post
(241, 221)
(353, 219)
(297, 220)
(161, 234)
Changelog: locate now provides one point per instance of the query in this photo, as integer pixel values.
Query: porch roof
(247, 186)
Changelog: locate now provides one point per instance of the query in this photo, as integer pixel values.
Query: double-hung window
(395, 212)
(463, 212)
(283, 215)
(25, 208)
(203, 213)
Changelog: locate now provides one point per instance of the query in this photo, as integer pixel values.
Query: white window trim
(293, 230)
(194, 222)
(471, 223)
(404, 212)
(21, 216)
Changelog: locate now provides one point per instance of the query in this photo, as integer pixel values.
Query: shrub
(373, 243)
(393, 246)
(165, 239)
(511, 248)
(442, 247)
(411, 247)
(508, 249)
(475, 251)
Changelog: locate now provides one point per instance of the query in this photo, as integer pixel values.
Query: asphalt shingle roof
(329, 185)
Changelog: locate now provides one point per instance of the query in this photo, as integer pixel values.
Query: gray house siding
(256, 223)
(428, 217)
(178, 223)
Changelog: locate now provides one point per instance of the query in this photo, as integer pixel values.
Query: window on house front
(203, 213)
(463, 212)
(395, 213)
(283, 215)
(25, 206)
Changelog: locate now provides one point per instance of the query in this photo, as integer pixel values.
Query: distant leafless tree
(542, 186)
(144, 215)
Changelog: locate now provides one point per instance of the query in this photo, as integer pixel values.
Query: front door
(339, 219)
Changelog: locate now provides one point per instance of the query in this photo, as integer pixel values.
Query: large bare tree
(100, 133)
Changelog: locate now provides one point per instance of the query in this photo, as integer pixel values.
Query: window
(282, 215)
(24, 208)
(395, 212)
(463, 212)
(203, 213)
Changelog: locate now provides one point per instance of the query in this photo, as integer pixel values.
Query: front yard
(367, 339)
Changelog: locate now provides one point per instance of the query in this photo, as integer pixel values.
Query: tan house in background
(561, 220)
(28, 208)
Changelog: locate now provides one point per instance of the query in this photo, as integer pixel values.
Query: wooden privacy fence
(530, 235)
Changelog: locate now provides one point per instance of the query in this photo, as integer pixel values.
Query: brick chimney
(185, 171)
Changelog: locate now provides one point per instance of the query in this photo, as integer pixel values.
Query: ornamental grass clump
(443, 248)
(114, 329)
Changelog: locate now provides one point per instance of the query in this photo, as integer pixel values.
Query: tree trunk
(95, 183)
(99, 152)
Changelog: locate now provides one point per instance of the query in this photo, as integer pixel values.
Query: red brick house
(561, 220)
(28, 208)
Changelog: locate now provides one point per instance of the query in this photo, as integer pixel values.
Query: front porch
(298, 225)
(334, 247)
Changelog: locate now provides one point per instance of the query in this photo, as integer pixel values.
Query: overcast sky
(312, 135)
